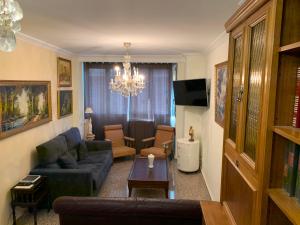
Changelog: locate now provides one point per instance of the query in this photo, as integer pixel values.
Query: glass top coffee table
(141, 176)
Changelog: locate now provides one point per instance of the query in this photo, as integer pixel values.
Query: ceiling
(99, 27)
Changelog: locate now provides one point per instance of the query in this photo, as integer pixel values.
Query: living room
(70, 120)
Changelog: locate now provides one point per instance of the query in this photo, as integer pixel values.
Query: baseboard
(208, 188)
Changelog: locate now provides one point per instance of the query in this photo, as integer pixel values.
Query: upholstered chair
(161, 145)
(121, 145)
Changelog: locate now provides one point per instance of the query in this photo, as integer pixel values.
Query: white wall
(17, 153)
(206, 129)
(212, 135)
(193, 67)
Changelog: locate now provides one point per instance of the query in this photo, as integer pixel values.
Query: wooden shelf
(290, 133)
(292, 48)
(288, 205)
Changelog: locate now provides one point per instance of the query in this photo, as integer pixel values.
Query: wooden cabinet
(246, 124)
(264, 62)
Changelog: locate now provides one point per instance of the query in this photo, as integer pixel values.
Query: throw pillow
(74, 153)
(82, 150)
(67, 161)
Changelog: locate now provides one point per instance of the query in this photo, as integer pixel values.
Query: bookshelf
(291, 48)
(288, 132)
(283, 209)
(289, 206)
(260, 138)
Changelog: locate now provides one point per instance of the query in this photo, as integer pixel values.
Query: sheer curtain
(109, 107)
(153, 104)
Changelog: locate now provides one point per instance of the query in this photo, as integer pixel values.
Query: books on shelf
(297, 190)
(285, 169)
(296, 115)
(290, 168)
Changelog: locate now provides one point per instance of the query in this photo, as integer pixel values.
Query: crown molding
(43, 44)
(134, 58)
(219, 40)
(193, 54)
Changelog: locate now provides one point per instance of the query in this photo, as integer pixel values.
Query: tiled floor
(182, 186)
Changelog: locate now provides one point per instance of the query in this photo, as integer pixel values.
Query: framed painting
(64, 103)
(24, 105)
(220, 92)
(64, 72)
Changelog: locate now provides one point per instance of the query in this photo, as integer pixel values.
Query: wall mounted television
(192, 92)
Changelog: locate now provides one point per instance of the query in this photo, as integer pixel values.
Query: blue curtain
(153, 104)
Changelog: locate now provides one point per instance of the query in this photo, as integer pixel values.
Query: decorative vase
(150, 160)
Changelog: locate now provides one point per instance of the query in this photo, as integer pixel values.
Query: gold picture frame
(64, 103)
(64, 72)
(23, 106)
(221, 77)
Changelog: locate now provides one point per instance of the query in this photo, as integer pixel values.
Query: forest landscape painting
(23, 105)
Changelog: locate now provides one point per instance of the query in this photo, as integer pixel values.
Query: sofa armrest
(167, 145)
(130, 142)
(147, 142)
(98, 145)
(67, 182)
(148, 139)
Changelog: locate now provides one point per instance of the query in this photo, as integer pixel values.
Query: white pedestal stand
(188, 155)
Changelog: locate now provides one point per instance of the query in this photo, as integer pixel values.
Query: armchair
(161, 145)
(121, 145)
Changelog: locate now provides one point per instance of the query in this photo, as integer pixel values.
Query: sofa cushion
(67, 161)
(73, 137)
(53, 166)
(98, 173)
(97, 157)
(49, 151)
(82, 151)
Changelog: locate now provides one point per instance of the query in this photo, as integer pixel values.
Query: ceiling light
(10, 15)
(127, 84)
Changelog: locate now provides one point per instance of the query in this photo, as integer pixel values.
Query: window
(155, 103)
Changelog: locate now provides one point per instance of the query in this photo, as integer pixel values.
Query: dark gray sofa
(94, 159)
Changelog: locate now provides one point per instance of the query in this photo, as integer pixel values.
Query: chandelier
(10, 15)
(127, 84)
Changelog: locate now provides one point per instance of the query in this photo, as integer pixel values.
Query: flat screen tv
(191, 92)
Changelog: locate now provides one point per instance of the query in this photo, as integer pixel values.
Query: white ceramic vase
(150, 160)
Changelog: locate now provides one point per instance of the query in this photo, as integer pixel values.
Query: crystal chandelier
(127, 84)
(10, 15)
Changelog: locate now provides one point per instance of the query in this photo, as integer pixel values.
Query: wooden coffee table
(141, 176)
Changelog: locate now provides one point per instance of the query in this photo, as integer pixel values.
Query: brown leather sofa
(127, 211)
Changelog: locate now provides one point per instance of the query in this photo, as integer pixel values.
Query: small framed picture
(220, 92)
(64, 103)
(64, 72)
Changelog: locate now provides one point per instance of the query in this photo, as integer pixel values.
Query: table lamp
(89, 111)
